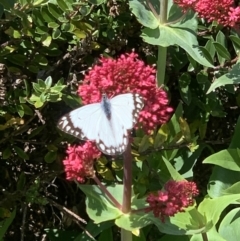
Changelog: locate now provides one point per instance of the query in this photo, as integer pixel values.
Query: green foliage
(46, 48)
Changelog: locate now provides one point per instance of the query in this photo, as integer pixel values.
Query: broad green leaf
(99, 207)
(79, 33)
(230, 78)
(62, 4)
(144, 14)
(56, 33)
(172, 171)
(185, 92)
(47, 41)
(107, 234)
(50, 157)
(40, 59)
(221, 181)
(47, 16)
(229, 159)
(22, 154)
(213, 208)
(182, 34)
(48, 82)
(54, 10)
(20, 110)
(27, 110)
(17, 59)
(21, 181)
(7, 4)
(221, 39)
(145, 143)
(229, 227)
(6, 153)
(161, 136)
(185, 129)
(222, 51)
(5, 223)
(189, 222)
(236, 42)
(210, 48)
(53, 25)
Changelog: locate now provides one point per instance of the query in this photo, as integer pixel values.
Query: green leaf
(145, 143)
(48, 82)
(99, 207)
(96, 2)
(56, 33)
(7, 4)
(185, 92)
(144, 15)
(221, 39)
(79, 33)
(62, 4)
(22, 154)
(230, 78)
(40, 59)
(182, 34)
(47, 16)
(53, 25)
(222, 51)
(50, 157)
(229, 159)
(47, 41)
(161, 136)
(20, 110)
(210, 48)
(4, 224)
(21, 181)
(213, 208)
(27, 110)
(236, 42)
(229, 227)
(6, 153)
(54, 10)
(17, 59)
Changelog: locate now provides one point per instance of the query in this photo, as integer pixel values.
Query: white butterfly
(107, 123)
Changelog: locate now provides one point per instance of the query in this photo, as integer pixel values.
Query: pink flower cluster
(123, 75)
(175, 197)
(79, 161)
(224, 12)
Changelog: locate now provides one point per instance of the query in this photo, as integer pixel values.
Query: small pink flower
(123, 75)
(224, 12)
(79, 161)
(175, 197)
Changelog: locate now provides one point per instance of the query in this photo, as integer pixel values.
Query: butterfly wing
(83, 122)
(110, 134)
(125, 109)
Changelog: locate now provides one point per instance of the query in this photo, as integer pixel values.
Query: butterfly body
(107, 123)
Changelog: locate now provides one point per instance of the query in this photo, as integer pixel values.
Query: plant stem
(110, 196)
(162, 51)
(127, 188)
(127, 180)
(126, 235)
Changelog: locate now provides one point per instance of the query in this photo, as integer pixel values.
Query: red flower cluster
(79, 161)
(175, 197)
(224, 12)
(123, 75)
